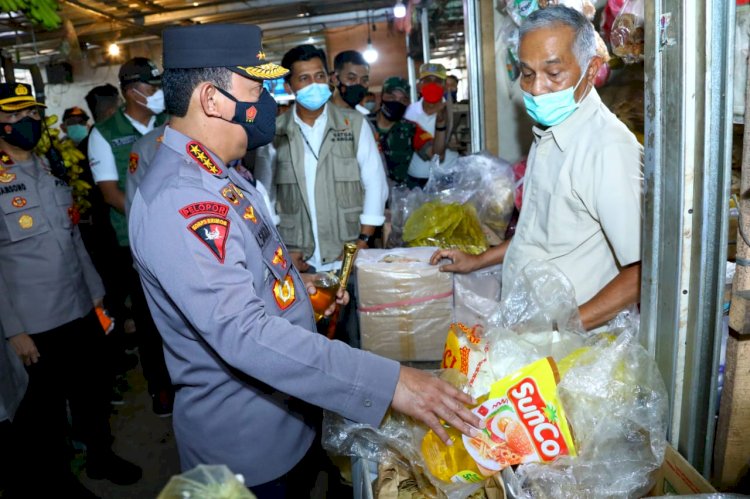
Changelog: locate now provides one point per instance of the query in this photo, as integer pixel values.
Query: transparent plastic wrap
(519, 10)
(616, 403)
(404, 303)
(447, 225)
(486, 181)
(476, 295)
(403, 201)
(206, 482)
(627, 36)
(585, 7)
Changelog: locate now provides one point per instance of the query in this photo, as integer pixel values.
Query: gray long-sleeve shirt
(237, 323)
(47, 274)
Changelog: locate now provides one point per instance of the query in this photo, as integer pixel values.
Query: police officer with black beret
(50, 288)
(234, 313)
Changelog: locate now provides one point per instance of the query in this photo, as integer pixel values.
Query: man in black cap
(110, 146)
(233, 311)
(49, 288)
(75, 124)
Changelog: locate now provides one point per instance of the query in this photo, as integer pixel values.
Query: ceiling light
(399, 10)
(113, 50)
(370, 54)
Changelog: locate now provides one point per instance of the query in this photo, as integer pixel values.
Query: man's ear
(334, 77)
(593, 69)
(209, 99)
(288, 88)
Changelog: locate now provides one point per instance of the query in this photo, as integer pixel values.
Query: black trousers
(150, 346)
(71, 370)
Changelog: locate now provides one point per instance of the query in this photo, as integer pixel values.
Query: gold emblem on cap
(261, 55)
(26, 222)
(21, 90)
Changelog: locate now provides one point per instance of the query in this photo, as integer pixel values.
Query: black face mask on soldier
(352, 94)
(257, 118)
(393, 110)
(24, 133)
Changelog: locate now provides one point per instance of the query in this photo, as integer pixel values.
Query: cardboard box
(677, 477)
(404, 303)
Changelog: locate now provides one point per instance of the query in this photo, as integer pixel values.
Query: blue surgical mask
(77, 133)
(553, 108)
(314, 96)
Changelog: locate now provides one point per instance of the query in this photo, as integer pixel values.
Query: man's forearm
(620, 292)
(494, 255)
(112, 195)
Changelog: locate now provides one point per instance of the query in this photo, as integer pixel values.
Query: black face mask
(352, 94)
(24, 134)
(257, 118)
(393, 110)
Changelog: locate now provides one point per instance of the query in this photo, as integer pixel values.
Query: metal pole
(425, 35)
(472, 27)
(410, 68)
(686, 181)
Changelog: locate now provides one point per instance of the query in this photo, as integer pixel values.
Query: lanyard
(307, 143)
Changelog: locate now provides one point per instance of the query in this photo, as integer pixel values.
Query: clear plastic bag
(617, 405)
(206, 482)
(585, 7)
(627, 36)
(403, 201)
(519, 10)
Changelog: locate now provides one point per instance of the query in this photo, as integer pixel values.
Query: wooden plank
(489, 80)
(732, 448)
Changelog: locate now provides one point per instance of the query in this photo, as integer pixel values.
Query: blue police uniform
(237, 322)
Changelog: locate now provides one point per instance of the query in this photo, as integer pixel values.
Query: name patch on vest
(343, 137)
(124, 141)
(204, 207)
(201, 156)
(213, 232)
(12, 188)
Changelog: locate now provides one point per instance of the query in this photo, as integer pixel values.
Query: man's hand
(429, 399)
(25, 348)
(462, 262)
(298, 261)
(342, 295)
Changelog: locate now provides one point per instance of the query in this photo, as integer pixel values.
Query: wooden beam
(490, 124)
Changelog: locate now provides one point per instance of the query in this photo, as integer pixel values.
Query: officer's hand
(462, 262)
(298, 261)
(428, 399)
(342, 297)
(25, 348)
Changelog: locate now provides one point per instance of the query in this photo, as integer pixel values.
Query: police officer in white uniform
(235, 315)
(48, 315)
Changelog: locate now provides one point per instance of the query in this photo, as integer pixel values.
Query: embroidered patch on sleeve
(213, 232)
(201, 156)
(204, 208)
(133, 162)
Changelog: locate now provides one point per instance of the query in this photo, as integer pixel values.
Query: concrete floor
(143, 438)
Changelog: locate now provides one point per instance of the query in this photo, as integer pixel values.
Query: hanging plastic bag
(519, 10)
(206, 482)
(627, 36)
(449, 225)
(616, 402)
(585, 7)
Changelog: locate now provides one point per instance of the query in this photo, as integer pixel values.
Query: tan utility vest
(339, 195)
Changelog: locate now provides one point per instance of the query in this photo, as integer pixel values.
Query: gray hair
(584, 46)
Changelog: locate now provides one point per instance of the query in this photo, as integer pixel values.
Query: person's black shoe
(113, 468)
(162, 403)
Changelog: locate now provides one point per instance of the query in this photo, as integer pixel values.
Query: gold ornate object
(350, 253)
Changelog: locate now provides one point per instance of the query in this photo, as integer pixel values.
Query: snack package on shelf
(627, 36)
(519, 10)
(404, 303)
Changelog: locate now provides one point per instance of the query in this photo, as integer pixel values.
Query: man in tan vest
(328, 179)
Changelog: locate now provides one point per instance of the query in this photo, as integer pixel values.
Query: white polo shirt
(582, 200)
